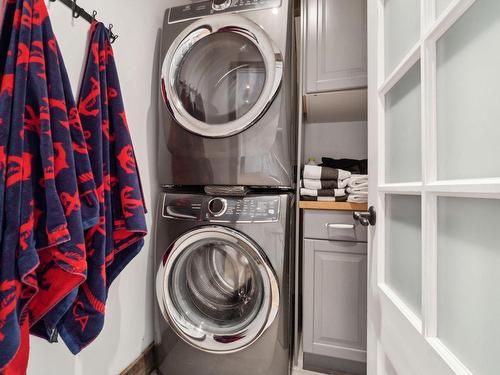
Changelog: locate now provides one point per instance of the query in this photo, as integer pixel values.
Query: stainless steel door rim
(196, 333)
(181, 47)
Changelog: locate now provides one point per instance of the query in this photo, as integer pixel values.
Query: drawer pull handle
(366, 218)
(340, 226)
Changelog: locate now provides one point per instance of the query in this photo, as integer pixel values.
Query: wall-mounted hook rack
(78, 11)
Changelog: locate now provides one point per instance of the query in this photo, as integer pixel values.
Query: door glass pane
(402, 30)
(403, 143)
(468, 74)
(216, 286)
(441, 5)
(221, 78)
(469, 280)
(404, 248)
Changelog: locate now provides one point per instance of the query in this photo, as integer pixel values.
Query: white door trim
(429, 188)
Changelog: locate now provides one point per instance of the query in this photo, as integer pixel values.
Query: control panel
(253, 209)
(206, 8)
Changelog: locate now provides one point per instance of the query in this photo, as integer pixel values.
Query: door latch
(366, 218)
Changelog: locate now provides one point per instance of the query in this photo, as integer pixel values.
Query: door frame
(429, 189)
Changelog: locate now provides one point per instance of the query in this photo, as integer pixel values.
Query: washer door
(217, 290)
(220, 75)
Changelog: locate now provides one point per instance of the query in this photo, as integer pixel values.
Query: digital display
(202, 9)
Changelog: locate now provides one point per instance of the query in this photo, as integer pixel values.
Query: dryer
(223, 284)
(227, 102)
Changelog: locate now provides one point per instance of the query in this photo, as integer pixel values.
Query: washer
(227, 102)
(223, 284)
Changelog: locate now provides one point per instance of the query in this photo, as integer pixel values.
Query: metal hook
(112, 37)
(94, 15)
(76, 10)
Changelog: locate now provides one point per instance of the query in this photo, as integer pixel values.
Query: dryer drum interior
(217, 290)
(221, 78)
(219, 284)
(220, 75)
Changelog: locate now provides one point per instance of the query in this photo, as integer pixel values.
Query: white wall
(128, 329)
(342, 140)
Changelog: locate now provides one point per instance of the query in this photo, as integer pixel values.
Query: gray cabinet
(335, 43)
(334, 291)
(334, 299)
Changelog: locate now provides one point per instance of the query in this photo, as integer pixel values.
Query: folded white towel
(357, 190)
(323, 184)
(357, 198)
(322, 193)
(363, 186)
(358, 180)
(315, 172)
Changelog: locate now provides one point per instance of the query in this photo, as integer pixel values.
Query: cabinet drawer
(333, 225)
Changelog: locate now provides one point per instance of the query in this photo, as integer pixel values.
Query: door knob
(366, 218)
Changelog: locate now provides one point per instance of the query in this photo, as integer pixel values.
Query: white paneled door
(434, 145)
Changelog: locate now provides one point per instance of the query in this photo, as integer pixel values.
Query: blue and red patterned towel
(118, 237)
(70, 223)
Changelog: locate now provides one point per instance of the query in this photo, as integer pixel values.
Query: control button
(217, 206)
(221, 4)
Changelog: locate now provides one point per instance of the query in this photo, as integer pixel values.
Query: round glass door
(220, 75)
(221, 78)
(216, 290)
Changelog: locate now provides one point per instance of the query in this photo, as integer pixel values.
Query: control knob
(221, 4)
(217, 206)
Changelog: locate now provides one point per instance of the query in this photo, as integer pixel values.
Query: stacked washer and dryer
(224, 226)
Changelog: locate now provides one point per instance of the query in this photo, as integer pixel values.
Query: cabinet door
(335, 299)
(335, 56)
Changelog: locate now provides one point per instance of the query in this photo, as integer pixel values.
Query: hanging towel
(78, 198)
(323, 184)
(118, 237)
(41, 229)
(14, 77)
(322, 193)
(315, 172)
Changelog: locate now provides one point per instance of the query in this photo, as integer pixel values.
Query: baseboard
(144, 365)
(330, 365)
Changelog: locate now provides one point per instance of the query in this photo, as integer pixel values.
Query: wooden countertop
(339, 206)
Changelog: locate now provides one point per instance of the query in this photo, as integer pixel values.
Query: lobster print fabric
(119, 235)
(43, 258)
(70, 222)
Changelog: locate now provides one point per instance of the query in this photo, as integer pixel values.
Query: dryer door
(220, 75)
(217, 290)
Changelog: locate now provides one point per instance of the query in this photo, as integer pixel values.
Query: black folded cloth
(351, 165)
(316, 172)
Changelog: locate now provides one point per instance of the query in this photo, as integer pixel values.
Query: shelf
(336, 106)
(339, 206)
